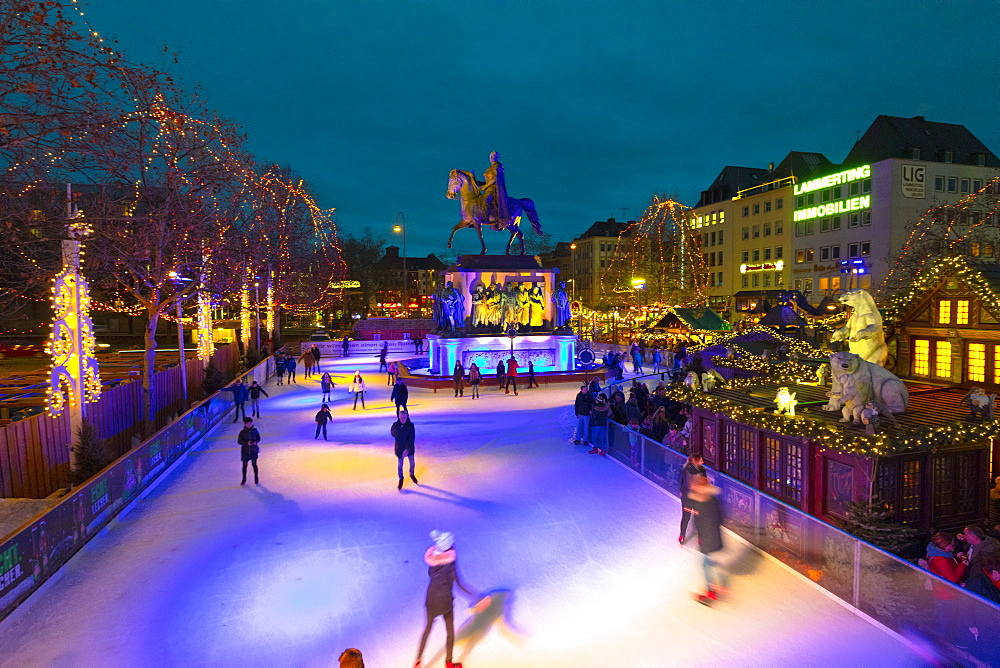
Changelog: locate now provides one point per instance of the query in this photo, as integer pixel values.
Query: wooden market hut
(686, 320)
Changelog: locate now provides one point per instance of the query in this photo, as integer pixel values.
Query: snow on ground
(326, 554)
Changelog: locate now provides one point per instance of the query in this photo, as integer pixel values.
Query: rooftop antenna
(623, 210)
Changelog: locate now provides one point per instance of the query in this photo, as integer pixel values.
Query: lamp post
(400, 227)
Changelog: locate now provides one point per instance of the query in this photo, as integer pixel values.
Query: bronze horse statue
(463, 186)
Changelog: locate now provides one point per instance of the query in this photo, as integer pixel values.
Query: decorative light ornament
(245, 316)
(74, 378)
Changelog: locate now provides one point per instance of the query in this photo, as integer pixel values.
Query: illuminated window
(922, 357)
(942, 361)
(976, 371)
(944, 312)
(996, 365)
(962, 312)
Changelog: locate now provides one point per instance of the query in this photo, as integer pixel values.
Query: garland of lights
(245, 317)
(951, 265)
(206, 347)
(833, 438)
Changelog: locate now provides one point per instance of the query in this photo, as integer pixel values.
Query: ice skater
(290, 365)
(531, 375)
(442, 562)
(404, 435)
(458, 379)
(475, 377)
(240, 396)
(279, 368)
(249, 440)
(382, 366)
(322, 417)
(695, 466)
(358, 387)
(511, 375)
(703, 503)
(400, 395)
(392, 371)
(326, 384)
(255, 391)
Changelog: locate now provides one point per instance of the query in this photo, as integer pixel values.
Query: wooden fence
(34, 452)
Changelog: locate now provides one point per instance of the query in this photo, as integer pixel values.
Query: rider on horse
(495, 192)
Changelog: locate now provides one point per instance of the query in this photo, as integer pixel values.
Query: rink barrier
(34, 553)
(902, 597)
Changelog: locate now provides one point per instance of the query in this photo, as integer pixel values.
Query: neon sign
(762, 266)
(834, 208)
(837, 179)
(345, 284)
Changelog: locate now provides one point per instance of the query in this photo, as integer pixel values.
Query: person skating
(475, 377)
(358, 387)
(501, 375)
(531, 375)
(249, 440)
(458, 379)
(240, 396)
(511, 375)
(695, 466)
(316, 357)
(382, 366)
(346, 345)
(392, 371)
(322, 417)
(255, 391)
(279, 368)
(404, 436)
(326, 384)
(581, 408)
(705, 507)
(400, 395)
(290, 364)
(442, 562)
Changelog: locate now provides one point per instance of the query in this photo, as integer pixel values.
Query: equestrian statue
(488, 204)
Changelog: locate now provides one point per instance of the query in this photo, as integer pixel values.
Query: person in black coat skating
(249, 439)
(322, 417)
(400, 394)
(255, 391)
(405, 436)
(703, 503)
(442, 562)
(695, 466)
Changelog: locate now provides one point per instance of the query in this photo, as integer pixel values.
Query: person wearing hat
(358, 387)
(599, 416)
(442, 562)
(706, 510)
(249, 440)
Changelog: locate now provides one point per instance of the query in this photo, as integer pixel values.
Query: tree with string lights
(658, 262)
(969, 227)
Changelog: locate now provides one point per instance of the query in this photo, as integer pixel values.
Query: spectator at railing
(660, 425)
(943, 560)
(599, 416)
(632, 411)
(675, 439)
(982, 549)
(618, 413)
(581, 408)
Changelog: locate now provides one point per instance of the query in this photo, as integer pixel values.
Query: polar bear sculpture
(863, 331)
(857, 382)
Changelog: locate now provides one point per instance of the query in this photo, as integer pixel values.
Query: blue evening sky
(593, 106)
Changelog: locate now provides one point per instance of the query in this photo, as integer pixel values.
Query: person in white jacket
(358, 387)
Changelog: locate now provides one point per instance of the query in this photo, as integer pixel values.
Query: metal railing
(892, 591)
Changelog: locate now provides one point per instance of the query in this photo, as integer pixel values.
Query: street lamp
(400, 227)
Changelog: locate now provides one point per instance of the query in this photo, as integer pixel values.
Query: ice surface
(326, 554)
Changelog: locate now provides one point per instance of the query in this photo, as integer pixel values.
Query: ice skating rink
(326, 554)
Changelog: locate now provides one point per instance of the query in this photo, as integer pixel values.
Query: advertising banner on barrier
(30, 556)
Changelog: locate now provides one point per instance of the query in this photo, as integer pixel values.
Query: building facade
(592, 253)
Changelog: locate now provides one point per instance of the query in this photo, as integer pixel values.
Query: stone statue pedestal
(549, 350)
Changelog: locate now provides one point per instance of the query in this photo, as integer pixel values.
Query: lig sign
(762, 266)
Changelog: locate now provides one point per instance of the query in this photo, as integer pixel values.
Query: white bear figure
(857, 382)
(785, 402)
(863, 331)
(692, 380)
